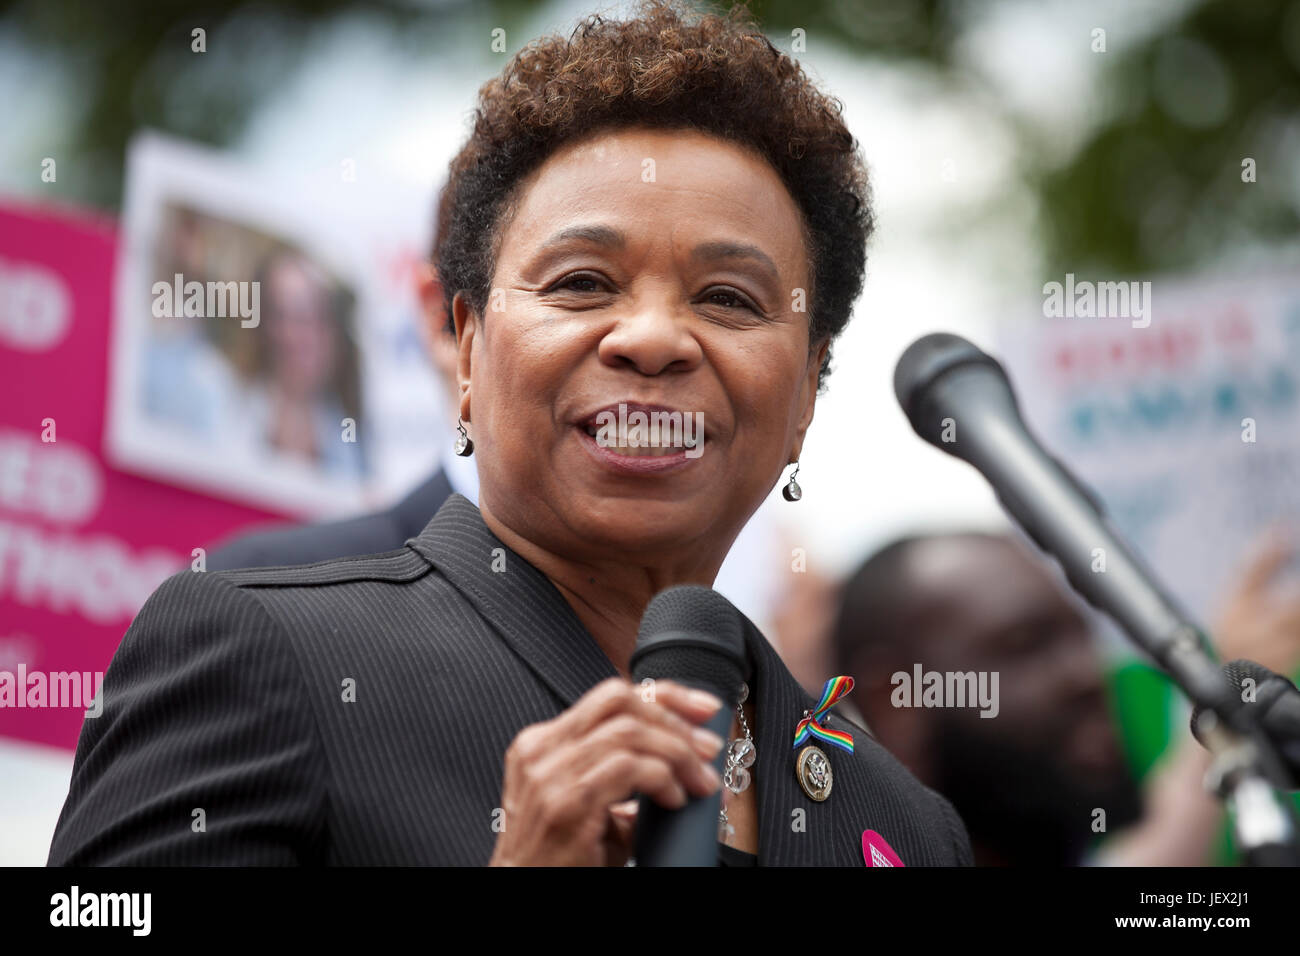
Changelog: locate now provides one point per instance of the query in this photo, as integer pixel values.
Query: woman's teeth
(643, 444)
(645, 451)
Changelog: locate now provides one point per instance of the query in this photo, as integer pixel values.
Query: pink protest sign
(82, 544)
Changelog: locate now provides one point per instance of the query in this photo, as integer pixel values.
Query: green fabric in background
(1142, 699)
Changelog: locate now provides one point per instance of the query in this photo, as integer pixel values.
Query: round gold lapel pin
(814, 773)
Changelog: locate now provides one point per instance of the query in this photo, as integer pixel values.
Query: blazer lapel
(831, 833)
(780, 704)
(517, 600)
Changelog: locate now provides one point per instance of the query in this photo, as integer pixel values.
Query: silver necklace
(741, 755)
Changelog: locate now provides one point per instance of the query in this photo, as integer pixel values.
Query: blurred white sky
(866, 477)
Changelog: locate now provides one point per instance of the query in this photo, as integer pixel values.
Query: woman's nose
(652, 340)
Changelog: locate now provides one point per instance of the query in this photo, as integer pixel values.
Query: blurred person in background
(389, 528)
(306, 375)
(1028, 780)
(185, 381)
(804, 604)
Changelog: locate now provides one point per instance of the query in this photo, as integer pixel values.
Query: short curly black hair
(670, 69)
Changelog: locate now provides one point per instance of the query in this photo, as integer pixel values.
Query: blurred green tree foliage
(1155, 184)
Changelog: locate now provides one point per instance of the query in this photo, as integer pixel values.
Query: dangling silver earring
(464, 444)
(792, 491)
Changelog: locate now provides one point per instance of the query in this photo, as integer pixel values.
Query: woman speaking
(653, 221)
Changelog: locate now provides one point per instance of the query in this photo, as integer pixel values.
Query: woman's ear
(432, 306)
(808, 397)
(466, 322)
(439, 339)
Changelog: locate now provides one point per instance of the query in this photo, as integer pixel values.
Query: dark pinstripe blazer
(227, 695)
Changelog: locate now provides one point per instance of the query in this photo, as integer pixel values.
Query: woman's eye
(577, 283)
(728, 299)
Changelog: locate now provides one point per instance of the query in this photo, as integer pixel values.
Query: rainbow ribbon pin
(836, 688)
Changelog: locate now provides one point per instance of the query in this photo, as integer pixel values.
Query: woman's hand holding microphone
(568, 780)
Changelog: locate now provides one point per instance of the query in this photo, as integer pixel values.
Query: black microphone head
(692, 635)
(923, 364)
(1270, 689)
(1237, 671)
(1276, 704)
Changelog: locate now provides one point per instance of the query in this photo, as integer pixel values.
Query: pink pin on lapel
(876, 852)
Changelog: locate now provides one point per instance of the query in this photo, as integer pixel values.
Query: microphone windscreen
(922, 364)
(1274, 696)
(927, 358)
(692, 635)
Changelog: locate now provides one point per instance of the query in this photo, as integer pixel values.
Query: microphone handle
(944, 381)
(1065, 521)
(687, 836)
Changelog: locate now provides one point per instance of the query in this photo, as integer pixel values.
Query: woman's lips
(647, 459)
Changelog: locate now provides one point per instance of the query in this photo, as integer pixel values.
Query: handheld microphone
(959, 399)
(692, 635)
